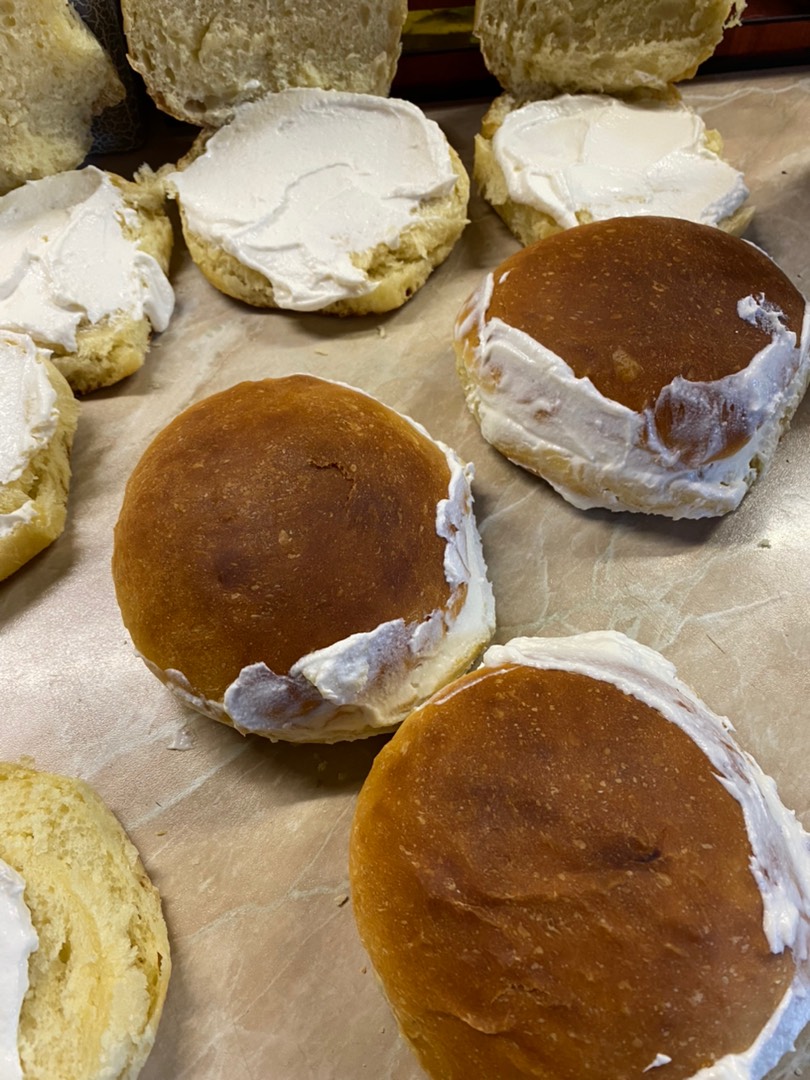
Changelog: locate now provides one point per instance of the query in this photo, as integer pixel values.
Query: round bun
(537, 47)
(34, 462)
(322, 201)
(96, 323)
(562, 866)
(296, 559)
(550, 165)
(98, 978)
(641, 363)
(200, 59)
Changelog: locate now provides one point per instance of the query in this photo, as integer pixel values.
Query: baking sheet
(247, 840)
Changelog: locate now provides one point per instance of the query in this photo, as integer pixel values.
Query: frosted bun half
(641, 363)
(83, 935)
(541, 47)
(200, 58)
(563, 865)
(297, 560)
(312, 200)
(84, 274)
(564, 161)
(38, 417)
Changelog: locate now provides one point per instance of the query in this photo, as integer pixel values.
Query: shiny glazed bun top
(277, 519)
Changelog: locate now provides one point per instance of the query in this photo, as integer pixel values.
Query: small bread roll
(38, 416)
(641, 363)
(56, 78)
(322, 201)
(299, 561)
(200, 58)
(550, 165)
(98, 958)
(535, 48)
(563, 866)
(84, 273)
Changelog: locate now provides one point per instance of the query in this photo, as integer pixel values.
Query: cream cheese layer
(602, 157)
(68, 262)
(18, 940)
(302, 180)
(780, 859)
(28, 416)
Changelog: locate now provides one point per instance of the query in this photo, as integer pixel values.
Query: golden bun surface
(98, 979)
(551, 881)
(693, 340)
(276, 519)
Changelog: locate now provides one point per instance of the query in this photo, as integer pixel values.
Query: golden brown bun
(98, 979)
(552, 883)
(636, 306)
(276, 519)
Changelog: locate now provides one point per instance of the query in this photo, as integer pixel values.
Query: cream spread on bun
(302, 180)
(780, 848)
(18, 940)
(28, 417)
(68, 261)
(597, 156)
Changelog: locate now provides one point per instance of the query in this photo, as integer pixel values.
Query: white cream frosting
(780, 860)
(67, 261)
(610, 158)
(18, 940)
(303, 179)
(370, 681)
(530, 405)
(28, 417)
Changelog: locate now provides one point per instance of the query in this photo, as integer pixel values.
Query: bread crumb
(341, 900)
(321, 352)
(764, 542)
(382, 331)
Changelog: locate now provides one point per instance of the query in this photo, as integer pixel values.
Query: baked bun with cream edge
(536, 48)
(314, 200)
(55, 78)
(85, 949)
(297, 560)
(201, 58)
(562, 865)
(553, 164)
(85, 257)
(641, 363)
(38, 416)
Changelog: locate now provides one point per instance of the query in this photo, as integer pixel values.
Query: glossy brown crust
(276, 518)
(633, 302)
(551, 883)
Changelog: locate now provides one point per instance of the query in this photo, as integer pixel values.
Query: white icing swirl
(18, 940)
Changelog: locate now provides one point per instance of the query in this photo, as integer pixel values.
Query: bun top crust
(632, 303)
(274, 519)
(552, 882)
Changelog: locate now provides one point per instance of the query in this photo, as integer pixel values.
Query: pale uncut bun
(201, 58)
(33, 503)
(539, 47)
(641, 363)
(56, 78)
(297, 560)
(530, 223)
(391, 269)
(563, 866)
(43, 293)
(98, 979)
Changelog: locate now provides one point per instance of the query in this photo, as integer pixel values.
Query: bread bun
(297, 560)
(562, 865)
(38, 416)
(641, 363)
(98, 975)
(85, 271)
(535, 48)
(56, 78)
(200, 59)
(322, 201)
(550, 165)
